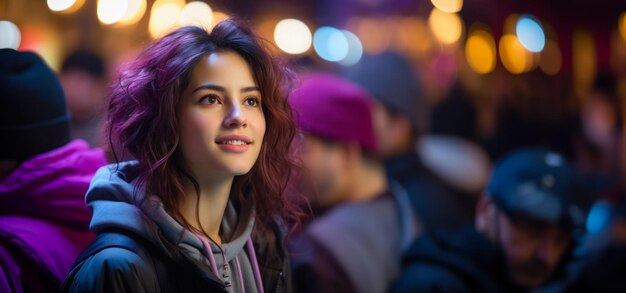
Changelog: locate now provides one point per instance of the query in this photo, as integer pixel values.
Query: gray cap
(391, 80)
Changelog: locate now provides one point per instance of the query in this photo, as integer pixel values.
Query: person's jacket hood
(52, 185)
(117, 204)
(42, 209)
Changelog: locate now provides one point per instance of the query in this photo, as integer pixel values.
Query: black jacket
(141, 248)
(121, 261)
(461, 261)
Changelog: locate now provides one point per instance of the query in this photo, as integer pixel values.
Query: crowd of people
(210, 165)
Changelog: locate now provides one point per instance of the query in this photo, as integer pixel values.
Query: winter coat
(43, 217)
(192, 262)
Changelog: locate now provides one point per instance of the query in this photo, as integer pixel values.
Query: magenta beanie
(330, 107)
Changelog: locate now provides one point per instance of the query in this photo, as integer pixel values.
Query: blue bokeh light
(355, 49)
(599, 217)
(530, 33)
(330, 44)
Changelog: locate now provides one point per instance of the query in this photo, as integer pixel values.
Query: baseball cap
(541, 185)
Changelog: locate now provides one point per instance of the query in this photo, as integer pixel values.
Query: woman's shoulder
(116, 269)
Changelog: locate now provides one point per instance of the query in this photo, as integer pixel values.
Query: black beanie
(33, 114)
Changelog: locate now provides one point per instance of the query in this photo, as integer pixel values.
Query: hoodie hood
(43, 213)
(52, 185)
(117, 203)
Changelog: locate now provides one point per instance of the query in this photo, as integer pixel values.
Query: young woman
(205, 117)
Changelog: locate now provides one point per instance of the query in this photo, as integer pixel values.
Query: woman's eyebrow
(250, 89)
(210, 86)
(218, 88)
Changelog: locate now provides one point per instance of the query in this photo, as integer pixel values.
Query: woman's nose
(235, 117)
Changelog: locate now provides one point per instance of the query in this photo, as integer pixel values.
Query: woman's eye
(254, 102)
(209, 100)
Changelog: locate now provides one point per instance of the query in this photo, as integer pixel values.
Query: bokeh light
(134, 13)
(584, 60)
(530, 33)
(551, 58)
(355, 49)
(292, 36)
(330, 44)
(449, 6)
(515, 58)
(412, 36)
(196, 13)
(480, 51)
(10, 35)
(622, 25)
(447, 27)
(219, 16)
(373, 34)
(111, 11)
(164, 16)
(65, 6)
(510, 24)
(599, 217)
(42, 39)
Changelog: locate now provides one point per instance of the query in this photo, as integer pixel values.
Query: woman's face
(221, 119)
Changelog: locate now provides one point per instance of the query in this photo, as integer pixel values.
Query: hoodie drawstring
(255, 266)
(243, 288)
(253, 261)
(207, 246)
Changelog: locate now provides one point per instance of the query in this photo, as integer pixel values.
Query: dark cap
(540, 185)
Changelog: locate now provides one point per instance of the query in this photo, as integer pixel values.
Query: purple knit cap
(334, 108)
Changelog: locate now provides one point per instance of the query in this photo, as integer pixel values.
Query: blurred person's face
(84, 94)
(326, 164)
(221, 118)
(532, 249)
(599, 120)
(393, 131)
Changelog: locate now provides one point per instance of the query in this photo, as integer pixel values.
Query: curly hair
(142, 120)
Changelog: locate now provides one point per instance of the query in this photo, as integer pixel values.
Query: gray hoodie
(116, 204)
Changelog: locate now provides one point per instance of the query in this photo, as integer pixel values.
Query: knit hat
(540, 185)
(33, 115)
(391, 80)
(330, 107)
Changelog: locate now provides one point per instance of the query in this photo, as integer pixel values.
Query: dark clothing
(437, 205)
(164, 274)
(355, 247)
(600, 272)
(605, 273)
(460, 261)
(316, 270)
(165, 255)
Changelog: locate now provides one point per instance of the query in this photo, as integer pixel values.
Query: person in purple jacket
(43, 178)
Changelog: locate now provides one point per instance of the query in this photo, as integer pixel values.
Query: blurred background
(528, 69)
(502, 74)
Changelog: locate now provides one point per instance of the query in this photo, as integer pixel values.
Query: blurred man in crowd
(356, 244)
(527, 223)
(428, 167)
